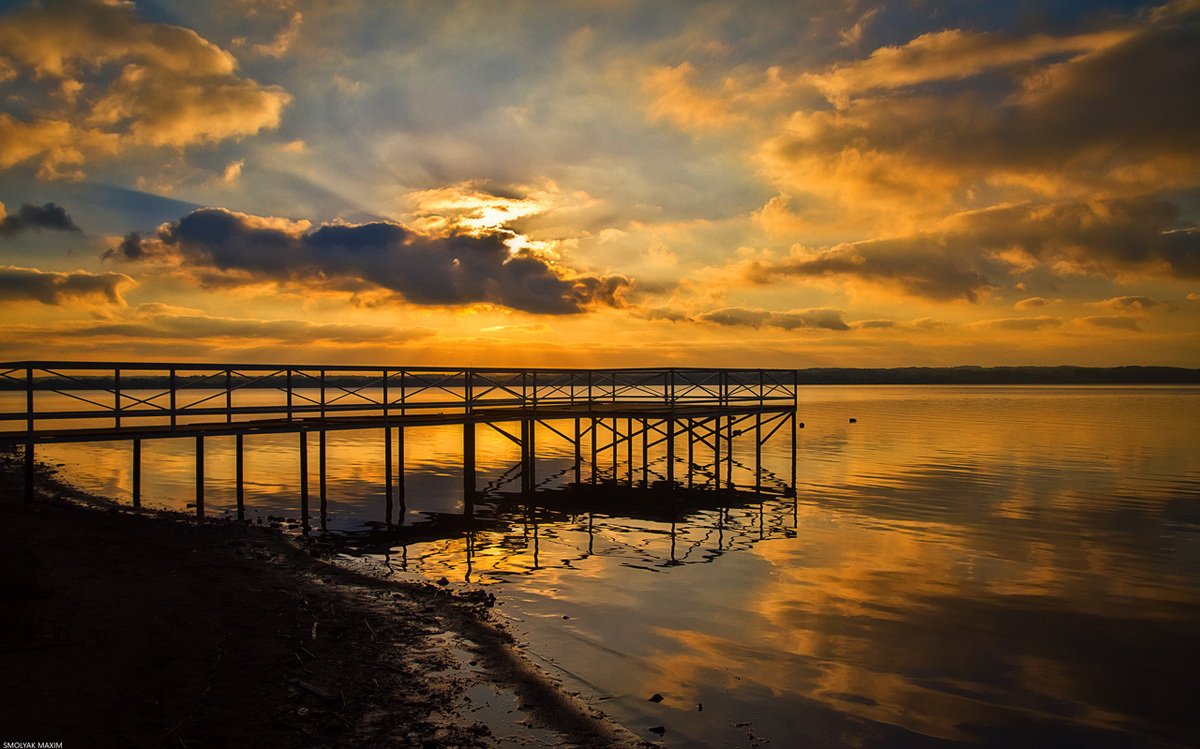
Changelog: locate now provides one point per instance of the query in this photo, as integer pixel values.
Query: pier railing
(57, 400)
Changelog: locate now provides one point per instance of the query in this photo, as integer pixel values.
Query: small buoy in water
(854, 421)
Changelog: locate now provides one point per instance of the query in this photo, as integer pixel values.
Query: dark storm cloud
(59, 289)
(445, 270)
(29, 216)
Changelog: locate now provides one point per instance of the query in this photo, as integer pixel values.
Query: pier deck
(63, 402)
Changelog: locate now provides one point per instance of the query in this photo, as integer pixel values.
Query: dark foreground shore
(148, 630)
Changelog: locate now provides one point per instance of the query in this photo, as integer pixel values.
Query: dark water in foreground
(994, 566)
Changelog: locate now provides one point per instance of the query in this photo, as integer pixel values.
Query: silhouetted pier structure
(684, 410)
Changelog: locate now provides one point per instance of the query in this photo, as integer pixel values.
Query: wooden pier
(599, 412)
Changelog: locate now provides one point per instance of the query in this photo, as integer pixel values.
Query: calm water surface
(981, 566)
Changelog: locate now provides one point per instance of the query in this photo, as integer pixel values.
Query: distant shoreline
(1132, 375)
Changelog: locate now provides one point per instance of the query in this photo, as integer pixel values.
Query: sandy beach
(146, 629)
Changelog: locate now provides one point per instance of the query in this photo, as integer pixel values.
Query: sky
(809, 183)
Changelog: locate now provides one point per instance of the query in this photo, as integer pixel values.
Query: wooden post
(646, 453)
(578, 447)
(387, 474)
(593, 430)
(239, 470)
(533, 444)
(321, 482)
(671, 452)
(137, 473)
(716, 435)
(469, 469)
(795, 418)
(758, 452)
(29, 445)
(729, 450)
(303, 479)
(691, 440)
(199, 477)
(28, 475)
(629, 452)
(399, 474)
(616, 430)
(526, 447)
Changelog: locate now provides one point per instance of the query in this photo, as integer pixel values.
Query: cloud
(100, 82)
(49, 216)
(158, 322)
(1100, 114)
(1133, 304)
(946, 55)
(283, 40)
(61, 289)
(676, 100)
(917, 266)
(971, 251)
(822, 318)
(1041, 322)
(1107, 237)
(1035, 301)
(449, 269)
(1114, 322)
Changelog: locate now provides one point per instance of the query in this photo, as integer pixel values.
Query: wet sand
(146, 629)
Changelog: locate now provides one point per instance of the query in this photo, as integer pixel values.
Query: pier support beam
(304, 481)
(578, 453)
(387, 475)
(758, 452)
(629, 451)
(137, 473)
(399, 476)
(469, 468)
(28, 475)
(239, 479)
(594, 448)
(691, 449)
(729, 453)
(671, 452)
(321, 482)
(199, 478)
(646, 453)
(795, 418)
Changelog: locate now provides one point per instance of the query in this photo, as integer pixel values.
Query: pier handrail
(51, 396)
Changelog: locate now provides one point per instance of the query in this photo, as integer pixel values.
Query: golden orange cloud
(111, 83)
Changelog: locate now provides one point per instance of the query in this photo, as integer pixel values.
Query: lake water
(973, 566)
